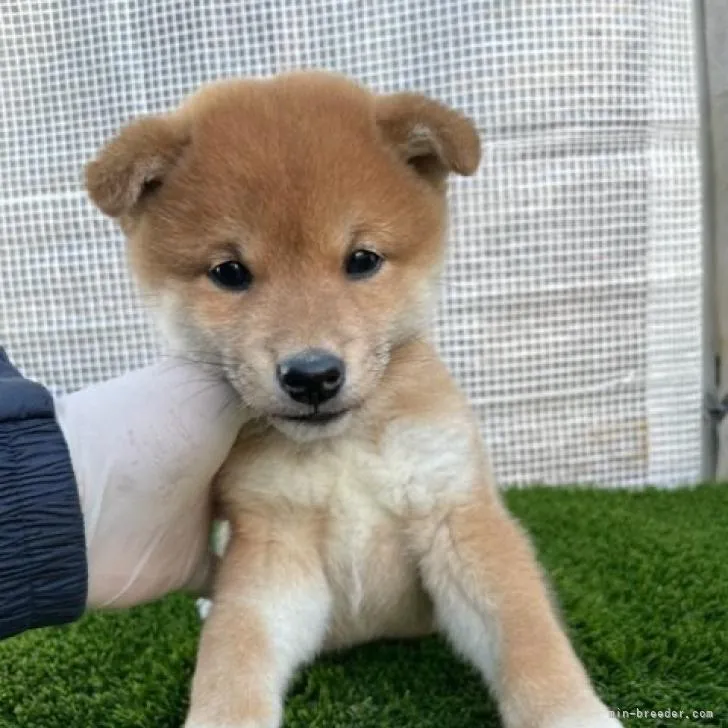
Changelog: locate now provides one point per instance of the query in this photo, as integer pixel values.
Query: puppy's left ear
(430, 137)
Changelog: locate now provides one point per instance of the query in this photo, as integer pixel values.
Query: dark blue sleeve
(43, 568)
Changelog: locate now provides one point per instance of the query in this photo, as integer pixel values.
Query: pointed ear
(134, 163)
(430, 137)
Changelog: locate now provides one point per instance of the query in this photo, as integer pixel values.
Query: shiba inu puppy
(291, 232)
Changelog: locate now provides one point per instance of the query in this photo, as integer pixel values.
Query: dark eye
(231, 275)
(363, 264)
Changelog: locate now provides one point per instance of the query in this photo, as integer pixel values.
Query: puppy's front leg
(491, 601)
(269, 616)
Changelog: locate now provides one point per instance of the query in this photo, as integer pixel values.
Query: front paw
(246, 724)
(267, 719)
(602, 719)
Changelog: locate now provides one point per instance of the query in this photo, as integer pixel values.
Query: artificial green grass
(642, 579)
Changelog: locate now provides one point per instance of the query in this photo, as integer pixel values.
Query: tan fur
(387, 522)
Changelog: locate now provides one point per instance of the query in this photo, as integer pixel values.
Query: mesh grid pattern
(572, 305)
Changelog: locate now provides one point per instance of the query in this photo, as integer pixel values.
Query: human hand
(145, 448)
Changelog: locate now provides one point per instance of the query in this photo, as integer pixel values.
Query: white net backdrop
(572, 308)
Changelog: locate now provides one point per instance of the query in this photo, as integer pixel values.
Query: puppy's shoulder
(428, 438)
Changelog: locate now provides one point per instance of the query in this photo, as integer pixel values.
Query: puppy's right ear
(134, 163)
(431, 138)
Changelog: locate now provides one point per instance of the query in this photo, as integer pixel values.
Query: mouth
(314, 418)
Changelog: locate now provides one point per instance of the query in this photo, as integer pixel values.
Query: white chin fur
(305, 432)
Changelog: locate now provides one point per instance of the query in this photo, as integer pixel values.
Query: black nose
(312, 376)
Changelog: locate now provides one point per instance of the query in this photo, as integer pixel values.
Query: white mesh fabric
(572, 306)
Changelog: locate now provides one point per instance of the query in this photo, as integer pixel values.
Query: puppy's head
(291, 229)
